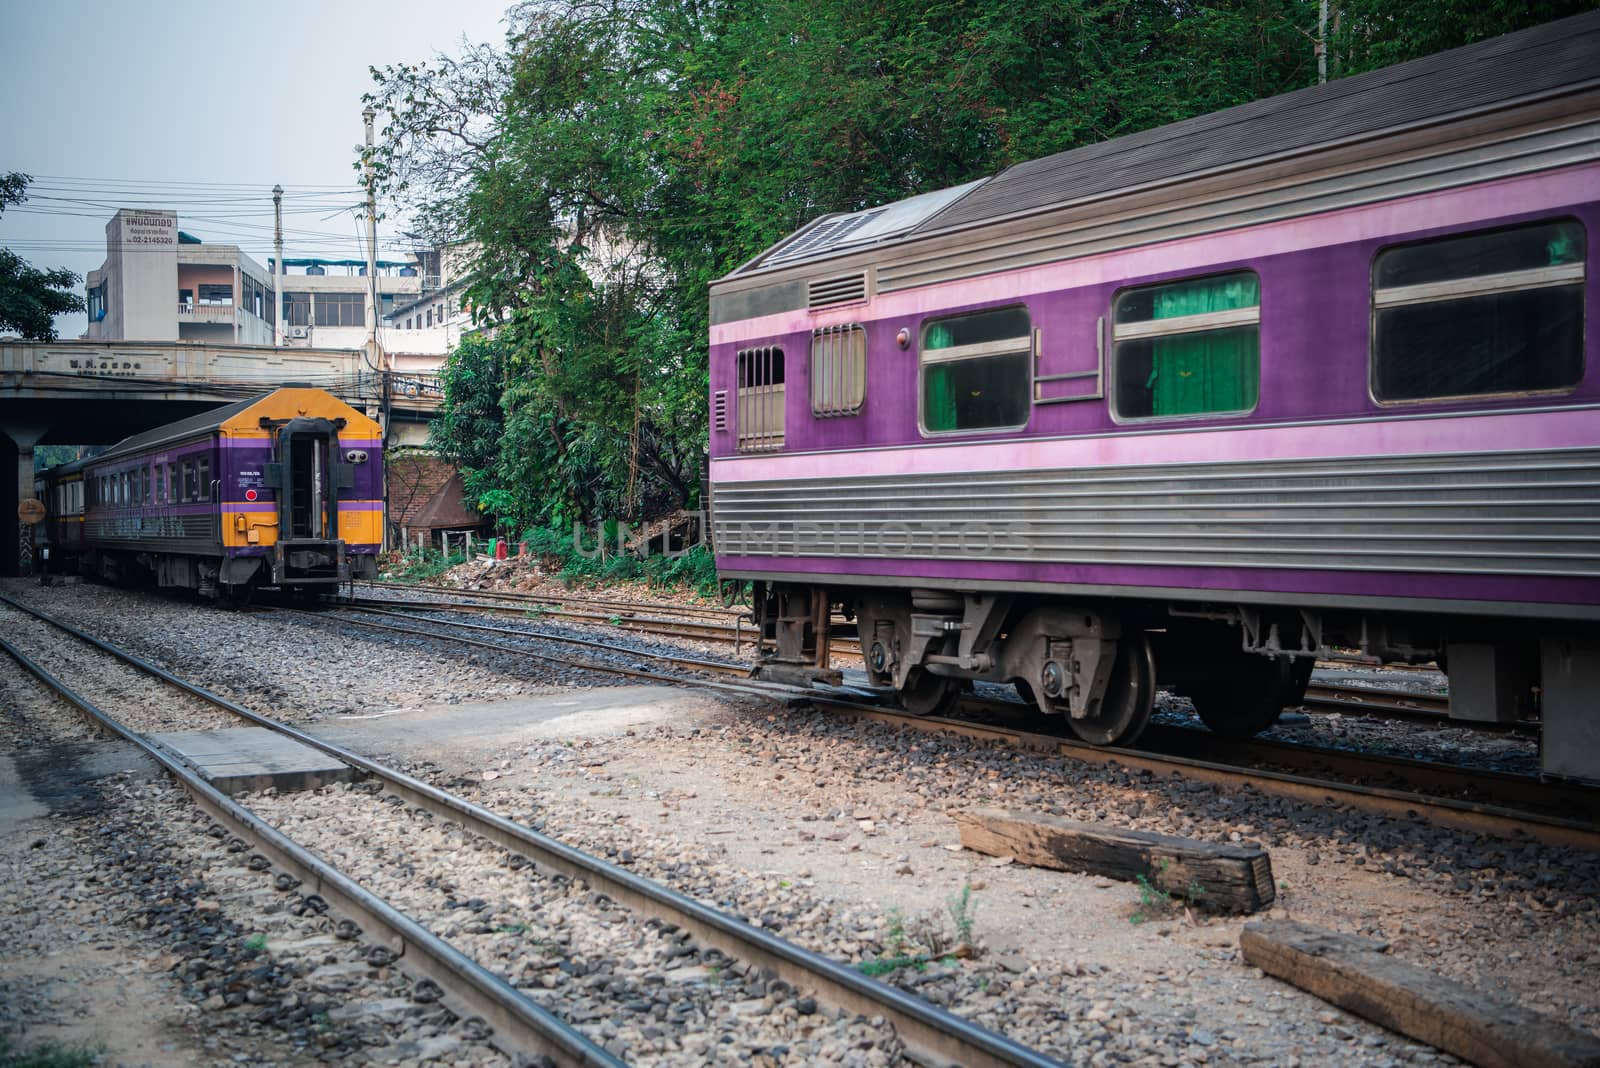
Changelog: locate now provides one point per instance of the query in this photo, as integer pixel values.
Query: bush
(695, 570)
(421, 565)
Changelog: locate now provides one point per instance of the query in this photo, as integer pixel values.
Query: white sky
(113, 96)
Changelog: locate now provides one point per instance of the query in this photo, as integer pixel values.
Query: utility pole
(277, 266)
(1322, 42)
(374, 356)
(372, 244)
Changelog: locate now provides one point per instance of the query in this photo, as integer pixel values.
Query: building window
(97, 303)
(1188, 348)
(215, 294)
(186, 299)
(975, 371)
(341, 309)
(297, 309)
(430, 316)
(759, 416)
(838, 370)
(1486, 313)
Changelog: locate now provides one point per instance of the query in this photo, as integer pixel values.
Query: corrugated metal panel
(1534, 513)
(1544, 59)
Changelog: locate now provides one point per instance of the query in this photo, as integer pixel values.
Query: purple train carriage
(280, 490)
(1195, 405)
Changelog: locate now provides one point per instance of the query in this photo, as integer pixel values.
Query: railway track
(520, 1025)
(1491, 803)
(637, 618)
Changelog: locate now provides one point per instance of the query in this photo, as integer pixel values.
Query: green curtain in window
(938, 397)
(1211, 371)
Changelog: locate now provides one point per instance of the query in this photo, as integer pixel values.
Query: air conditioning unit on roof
(299, 332)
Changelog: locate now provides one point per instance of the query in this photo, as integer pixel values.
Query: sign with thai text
(138, 229)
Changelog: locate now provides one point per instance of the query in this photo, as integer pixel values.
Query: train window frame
(187, 474)
(1130, 332)
(174, 487)
(991, 349)
(202, 478)
(1463, 287)
(837, 373)
(760, 386)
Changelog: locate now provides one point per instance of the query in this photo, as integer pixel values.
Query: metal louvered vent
(845, 289)
(719, 411)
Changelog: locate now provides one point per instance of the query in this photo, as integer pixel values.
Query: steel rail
(934, 1035)
(1454, 781)
(682, 628)
(699, 629)
(1494, 820)
(523, 597)
(520, 1026)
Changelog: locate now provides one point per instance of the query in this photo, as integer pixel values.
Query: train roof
(214, 419)
(1549, 60)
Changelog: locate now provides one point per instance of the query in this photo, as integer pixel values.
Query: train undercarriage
(1097, 663)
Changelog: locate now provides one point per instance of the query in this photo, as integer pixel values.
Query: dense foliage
(617, 155)
(30, 298)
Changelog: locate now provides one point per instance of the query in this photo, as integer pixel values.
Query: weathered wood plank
(1231, 878)
(1355, 974)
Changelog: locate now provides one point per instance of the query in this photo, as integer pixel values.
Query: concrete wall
(141, 277)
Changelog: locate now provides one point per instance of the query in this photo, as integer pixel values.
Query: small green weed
(49, 1054)
(1155, 902)
(919, 941)
(512, 928)
(963, 913)
(256, 943)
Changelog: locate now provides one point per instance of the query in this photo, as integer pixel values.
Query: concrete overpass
(99, 392)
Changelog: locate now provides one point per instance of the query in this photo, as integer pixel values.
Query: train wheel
(1250, 700)
(926, 694)
(1130, 696)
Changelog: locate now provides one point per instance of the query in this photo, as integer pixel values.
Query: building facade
(159, 283)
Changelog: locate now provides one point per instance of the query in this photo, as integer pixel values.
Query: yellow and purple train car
(283, 490)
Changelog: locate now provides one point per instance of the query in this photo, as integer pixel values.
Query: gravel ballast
(837, 835)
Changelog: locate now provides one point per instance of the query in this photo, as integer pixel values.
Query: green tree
(30, 298)
(616, 156)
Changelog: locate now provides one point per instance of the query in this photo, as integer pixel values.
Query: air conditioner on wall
(299, 332)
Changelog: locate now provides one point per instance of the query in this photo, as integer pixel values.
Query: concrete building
(159, 283)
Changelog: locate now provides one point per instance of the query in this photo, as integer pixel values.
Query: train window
(976, 370)
(759, 417)
(1486, 313)
(1187, 348)
(838, 370)
(188, 480)
(145, 491)
(172, 483)
(202, 478)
